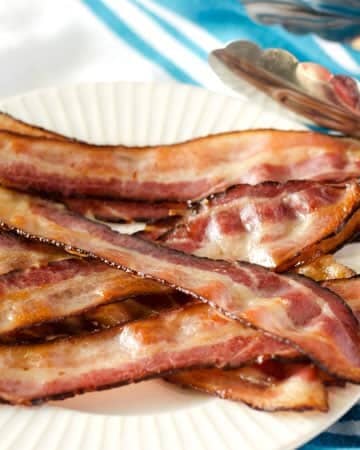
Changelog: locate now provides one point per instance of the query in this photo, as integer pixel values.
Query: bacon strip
(297, 388)
(274, 225)
(107, 210)
(64, 288)
(290, 307)
(196, 336)
(99, 318)
(101, 209)
(179, 172)
(124, 210)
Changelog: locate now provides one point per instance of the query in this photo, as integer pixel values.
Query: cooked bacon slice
(124, 210)
(104, 316)
(100, 317)
(274, 225)
(17, 253)
(326, 268)
(101, 209)
(291, 386)
(64, 288)
(196, 336)
(291, 307)
(181, 172)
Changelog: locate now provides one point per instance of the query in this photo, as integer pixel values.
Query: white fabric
(49, 43)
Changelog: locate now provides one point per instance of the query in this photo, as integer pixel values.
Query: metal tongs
(307, 89)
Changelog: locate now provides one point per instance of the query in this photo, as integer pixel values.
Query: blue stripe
(121, 29)
(170, 29)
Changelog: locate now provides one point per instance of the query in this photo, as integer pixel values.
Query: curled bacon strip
(293, 308)
(260, 386)
(195, 336)
(274, 225)
(179, 172)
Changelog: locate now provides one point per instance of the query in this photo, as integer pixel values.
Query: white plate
(153, 415)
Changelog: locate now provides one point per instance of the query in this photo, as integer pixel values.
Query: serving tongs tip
(305, 88)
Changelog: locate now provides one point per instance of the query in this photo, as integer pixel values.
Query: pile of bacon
(230, 289)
